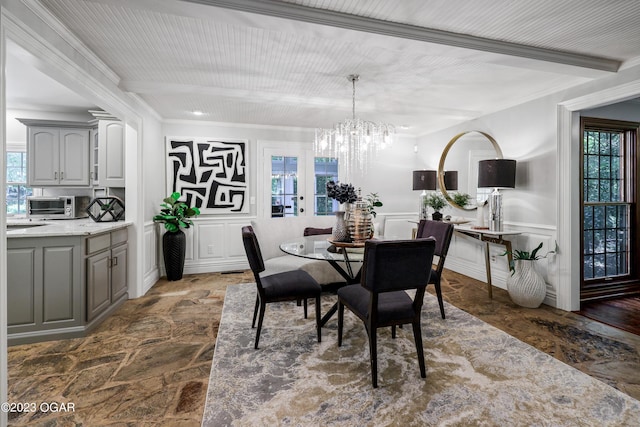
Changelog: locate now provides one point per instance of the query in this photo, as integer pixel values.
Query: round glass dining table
(346, 258)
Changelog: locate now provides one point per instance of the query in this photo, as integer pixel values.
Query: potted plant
(174, 215)
(373, 201)
(525, 285)
(461, 199)
(436, 202)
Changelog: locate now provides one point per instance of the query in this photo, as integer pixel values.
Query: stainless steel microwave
(57, 207)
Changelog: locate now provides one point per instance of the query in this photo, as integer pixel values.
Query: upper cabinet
(57, 153)
(111, 148)
(74, 154)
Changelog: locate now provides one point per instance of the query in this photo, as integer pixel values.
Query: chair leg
(255, 311)
(393, 332)
(439, 295)
(373, 354)
(304, 303)
(417, 336)
(318, 319)
(340, 322)
(263, 305)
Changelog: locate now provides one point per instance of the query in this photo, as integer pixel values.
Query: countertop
(61, 227)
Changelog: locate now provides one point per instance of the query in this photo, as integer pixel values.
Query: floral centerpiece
(343, 193)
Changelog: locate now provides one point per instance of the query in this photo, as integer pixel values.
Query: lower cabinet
(106, 271)
(62, 287)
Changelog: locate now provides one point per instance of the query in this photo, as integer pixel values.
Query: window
(325, 170)
(609, 213)
(17, 191)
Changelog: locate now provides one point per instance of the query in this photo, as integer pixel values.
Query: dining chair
(389, 269)
(442, 233)
(292, 285)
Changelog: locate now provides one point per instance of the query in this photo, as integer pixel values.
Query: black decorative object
(174, 244)
(424, 180)
(106, 209)
(451, 180)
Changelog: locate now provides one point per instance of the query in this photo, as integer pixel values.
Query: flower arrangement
(343, 193)
(174, 213)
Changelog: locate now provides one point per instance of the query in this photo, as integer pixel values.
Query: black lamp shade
(497, 173)
(450, 180)
(424, 180)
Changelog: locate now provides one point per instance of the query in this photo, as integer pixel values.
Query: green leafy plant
(528, 256)
(436, 202)
(373, 201)
(461, 199)
(174, 213)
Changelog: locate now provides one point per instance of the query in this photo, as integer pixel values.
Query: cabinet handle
(114, 261)
(61, 175)
(55, 175)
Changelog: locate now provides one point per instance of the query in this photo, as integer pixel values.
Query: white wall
(389, 176)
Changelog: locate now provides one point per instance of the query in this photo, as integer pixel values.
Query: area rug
(476, 375)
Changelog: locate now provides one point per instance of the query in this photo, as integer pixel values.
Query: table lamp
(424, 180)
(496, 174)
(450, 180)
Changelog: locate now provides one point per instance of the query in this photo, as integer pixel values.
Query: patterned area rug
(476, 375)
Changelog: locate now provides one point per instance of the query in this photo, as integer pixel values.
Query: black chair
(292, 285)
(442, 232)
(389, 268)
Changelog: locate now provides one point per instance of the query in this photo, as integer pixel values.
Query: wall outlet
(493, 258)
(210, 249)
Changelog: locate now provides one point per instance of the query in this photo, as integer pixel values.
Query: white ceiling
(427, 64)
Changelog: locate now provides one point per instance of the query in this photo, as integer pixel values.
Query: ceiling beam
(411, 32)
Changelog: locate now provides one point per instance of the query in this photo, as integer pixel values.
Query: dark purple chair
(389, 268)
(442, 232)
(292, 285)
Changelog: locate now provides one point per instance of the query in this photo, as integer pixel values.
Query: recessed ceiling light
(197, 113)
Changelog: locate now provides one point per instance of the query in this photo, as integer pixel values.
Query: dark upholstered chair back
(397, 265)
(441, 231)
(252, 249)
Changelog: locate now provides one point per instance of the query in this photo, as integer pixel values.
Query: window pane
(17, 192)
(325, 169)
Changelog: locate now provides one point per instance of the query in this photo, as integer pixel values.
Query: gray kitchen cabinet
(111, 153)
(106, 268)
(64, 286)
(44, 285)
(57, 153)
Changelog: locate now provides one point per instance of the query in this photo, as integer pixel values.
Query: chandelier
(354, 142)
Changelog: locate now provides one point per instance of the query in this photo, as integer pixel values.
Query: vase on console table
(340, 231)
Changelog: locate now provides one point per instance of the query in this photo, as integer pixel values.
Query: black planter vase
(174, 245)
(436, 216)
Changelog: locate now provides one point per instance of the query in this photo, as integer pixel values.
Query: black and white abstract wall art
(211, 173)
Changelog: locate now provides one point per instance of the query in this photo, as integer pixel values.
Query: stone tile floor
(148, 364)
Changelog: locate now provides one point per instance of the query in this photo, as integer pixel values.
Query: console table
(484, 237)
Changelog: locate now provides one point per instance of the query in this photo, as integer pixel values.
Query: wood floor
(622, 313)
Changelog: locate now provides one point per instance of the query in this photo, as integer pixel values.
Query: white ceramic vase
(526, 286)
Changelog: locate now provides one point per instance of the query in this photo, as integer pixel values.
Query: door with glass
(296, 182)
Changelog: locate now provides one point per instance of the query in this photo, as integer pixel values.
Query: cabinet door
(21, 286)
(43, 157)
(94, 153)
(58, 298)
(98, 284)
(118, 272)
(74, 157)
(111, 153)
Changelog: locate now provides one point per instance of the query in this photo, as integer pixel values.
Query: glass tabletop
(320, 248)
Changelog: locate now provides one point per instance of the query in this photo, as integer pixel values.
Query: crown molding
(360, 23)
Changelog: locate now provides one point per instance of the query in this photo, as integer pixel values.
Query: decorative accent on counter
(106, 209)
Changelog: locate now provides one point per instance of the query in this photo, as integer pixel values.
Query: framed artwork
(210, 173)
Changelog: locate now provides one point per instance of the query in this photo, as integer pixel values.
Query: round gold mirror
(462, 156)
